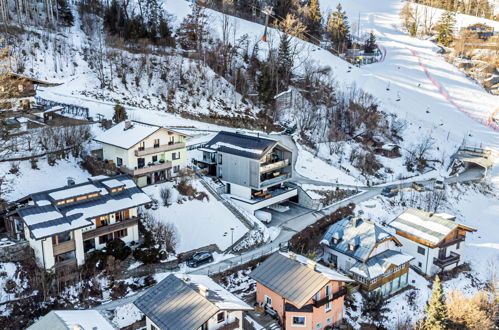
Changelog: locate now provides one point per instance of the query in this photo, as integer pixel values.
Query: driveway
(279, 218)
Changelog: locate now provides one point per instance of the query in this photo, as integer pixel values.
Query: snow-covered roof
(362, 233)
(113, 183)
(378, 265)
(291, 277)
(125, 138)
(44, 218)
(177, 302)
(243, 145)
(426, 226)
(73, 319)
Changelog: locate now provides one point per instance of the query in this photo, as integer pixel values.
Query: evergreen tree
(436, 310)
(374, 307)
(314, 18)
(65, 15)
(119, 113)
(445, 28)
(193, 31)
(165, 33)
(370, 44)
(265, 85)
(284, 62)
(338, 29)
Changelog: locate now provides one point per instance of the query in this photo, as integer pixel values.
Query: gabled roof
(72, 319)
(176, 303)
(243, 145)
(292, 279)
(44, 218)
(125, 138)
(380, 263)
(364, 234)
(426, 226)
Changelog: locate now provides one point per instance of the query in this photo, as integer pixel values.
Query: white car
(439, 184)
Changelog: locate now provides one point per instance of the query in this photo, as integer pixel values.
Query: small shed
(389, 150)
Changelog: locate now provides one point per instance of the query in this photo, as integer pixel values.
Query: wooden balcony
(453, 258)
(64, 247)
(230, 326)
(273, 166)
(160, 148)
(110, 228)
(338, 294)
(146, 169)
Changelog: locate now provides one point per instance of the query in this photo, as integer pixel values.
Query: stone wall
(14, 253)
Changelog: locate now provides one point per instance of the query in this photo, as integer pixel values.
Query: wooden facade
(380, 281)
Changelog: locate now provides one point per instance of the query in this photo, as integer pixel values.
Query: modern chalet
(300, 292)
(435, 240)
(191, 302)
(253, 169)
(63, 224)
(149, 153)
(367, 252)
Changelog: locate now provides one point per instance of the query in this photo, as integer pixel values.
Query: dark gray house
(253, 169)
(191, 302)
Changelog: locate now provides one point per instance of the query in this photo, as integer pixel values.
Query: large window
(105, 238)
(89, 245)
(119, 161)
(221, 317)
(176, 155)
(101, 221)
(328, 306)
(268, 301)
(328, 290)
(60, 238)
(421, 250)
(299, 320)
(121, 233)
(156, 143)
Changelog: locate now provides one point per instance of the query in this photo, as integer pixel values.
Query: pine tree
(193, 31)
(314, 18)
(265, 85)
(370, 44)
(374, 307)
(445, 28)
(284, 62)
(338, 29)
(436, 310)
(119, 113)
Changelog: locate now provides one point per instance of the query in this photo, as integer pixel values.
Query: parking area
(278, 218)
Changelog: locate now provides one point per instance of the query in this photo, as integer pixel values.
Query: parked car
(439, 184)
(390, 191)
(418, 186)
(199, 259)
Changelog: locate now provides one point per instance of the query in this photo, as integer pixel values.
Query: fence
(71, 109)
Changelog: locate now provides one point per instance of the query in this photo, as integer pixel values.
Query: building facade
(149, 153)
(253, 170)
(63, 225)
(367, 252)
(435, 240)
(300, 292)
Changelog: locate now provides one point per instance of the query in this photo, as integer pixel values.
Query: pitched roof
(379, 264)
(365, 234)
(45, 218)
(248, 146)
(292, 278)
(72, 319)
(178, 304)
(426, 226)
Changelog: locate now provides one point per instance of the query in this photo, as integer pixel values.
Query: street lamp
(232, 235)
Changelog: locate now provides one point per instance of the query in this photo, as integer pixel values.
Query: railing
(274, 166)
(110, 228)
(443, 262)
(161, 148)
(338, 294)
(230, 326)
(460, 238)
(69, 263)
(64, 247)
(275, 180)
(146, 169)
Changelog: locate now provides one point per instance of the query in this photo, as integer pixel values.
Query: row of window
(77, 199)
(117, 234)
(299, 321)
(156, 143)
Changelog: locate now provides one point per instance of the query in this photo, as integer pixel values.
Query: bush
(185, 188)
(118, 290)
(166, 195)
(147, 255)
(10, 286)
(14, 168)
(118, 249)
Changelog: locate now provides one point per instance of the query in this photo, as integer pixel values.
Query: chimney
(311, 264)
(355, 221)
(186, 279)
(292, 256)
(203, 290)
(70, 181)
(128, 124)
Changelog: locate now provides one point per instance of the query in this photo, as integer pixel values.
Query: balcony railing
(338, 294)
(273, 166)
(165, 147)
(230, 326)
(110, 228)
(64, 247)
(277, 179)
(146, 169)
(443, 262)
(66, 264)
(460, 238)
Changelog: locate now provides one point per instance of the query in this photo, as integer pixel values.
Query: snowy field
(199, 223)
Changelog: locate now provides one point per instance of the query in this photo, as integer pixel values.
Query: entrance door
(228, 188)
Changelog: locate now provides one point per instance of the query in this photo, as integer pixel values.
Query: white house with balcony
(435, 240)
(253, 170)
(149, 153)
(62, 225)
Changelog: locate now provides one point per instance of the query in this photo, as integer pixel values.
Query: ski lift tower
(267, 10)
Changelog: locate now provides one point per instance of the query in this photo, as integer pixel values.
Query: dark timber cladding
(172, 304)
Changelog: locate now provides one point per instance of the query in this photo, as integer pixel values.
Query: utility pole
(267, 10)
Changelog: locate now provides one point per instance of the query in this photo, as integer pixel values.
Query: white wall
(344, 262)
(79, 252)
(238, 190)
(44, 254)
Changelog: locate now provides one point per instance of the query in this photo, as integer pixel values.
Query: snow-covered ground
(199, 223)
